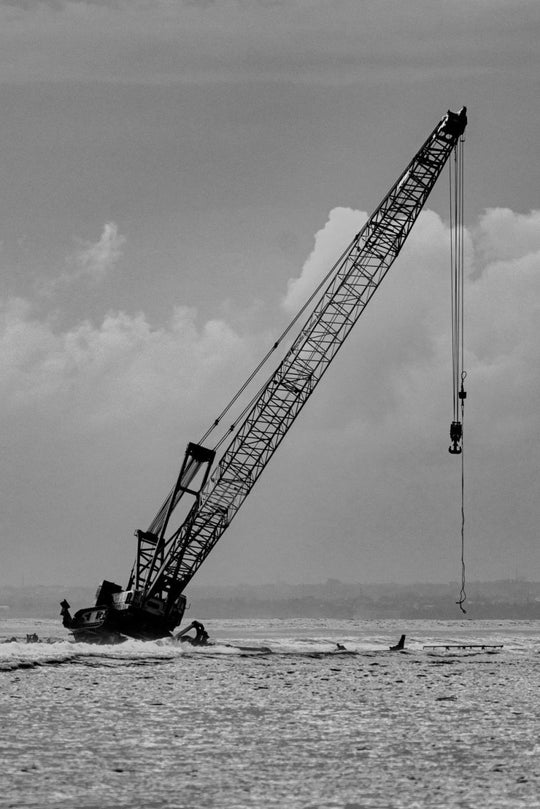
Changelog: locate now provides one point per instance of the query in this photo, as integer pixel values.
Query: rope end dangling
(462, 594)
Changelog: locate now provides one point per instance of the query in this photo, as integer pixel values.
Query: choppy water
(297, 727)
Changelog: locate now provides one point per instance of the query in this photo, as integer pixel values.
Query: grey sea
(274, 714)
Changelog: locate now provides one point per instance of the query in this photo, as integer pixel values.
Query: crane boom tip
(454, 123)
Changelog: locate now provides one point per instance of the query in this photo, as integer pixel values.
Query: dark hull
(120, 614)
(108, 625)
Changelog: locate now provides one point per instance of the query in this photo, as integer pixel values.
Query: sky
(175, 178)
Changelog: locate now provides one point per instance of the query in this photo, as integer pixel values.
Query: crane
(168, 555)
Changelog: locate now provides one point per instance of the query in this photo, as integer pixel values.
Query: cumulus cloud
(124, 365)
(503, 234)
(379, 420)
(342, 225)
(96, 260)
(402, 342)
(112, 371)
(398, 333)
(91, 262)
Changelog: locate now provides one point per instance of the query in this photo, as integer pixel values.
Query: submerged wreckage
(172, 549)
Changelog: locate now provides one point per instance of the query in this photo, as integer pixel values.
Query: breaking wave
(279, 638)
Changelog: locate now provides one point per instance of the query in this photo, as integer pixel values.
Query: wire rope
(457, 262)
(462, 593)
(269, 353)
(157, 522)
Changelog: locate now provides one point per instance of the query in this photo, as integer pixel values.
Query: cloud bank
(408, 330)
(374, 437)
(111, 371)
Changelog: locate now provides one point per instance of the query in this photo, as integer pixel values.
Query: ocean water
(289, 721)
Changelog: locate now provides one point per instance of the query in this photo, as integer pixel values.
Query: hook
(456, 432)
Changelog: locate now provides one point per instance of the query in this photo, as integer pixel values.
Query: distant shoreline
(505, 599)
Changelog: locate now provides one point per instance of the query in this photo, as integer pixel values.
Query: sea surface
(274, 715)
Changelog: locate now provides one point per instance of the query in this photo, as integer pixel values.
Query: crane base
(107, 625)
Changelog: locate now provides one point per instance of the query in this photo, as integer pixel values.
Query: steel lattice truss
(356, 277)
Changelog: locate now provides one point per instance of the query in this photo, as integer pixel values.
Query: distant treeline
(517, 599)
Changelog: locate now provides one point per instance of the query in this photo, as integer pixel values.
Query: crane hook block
(456, 433)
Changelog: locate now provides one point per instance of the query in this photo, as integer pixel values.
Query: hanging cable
(462, 594)
(270, 351)
(458, 341)
(456, 270)
(158, 519)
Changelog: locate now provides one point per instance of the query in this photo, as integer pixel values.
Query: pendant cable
(458, 374)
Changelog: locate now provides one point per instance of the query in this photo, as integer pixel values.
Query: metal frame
(357, 275)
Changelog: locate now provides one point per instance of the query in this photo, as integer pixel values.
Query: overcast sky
(174, 176)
